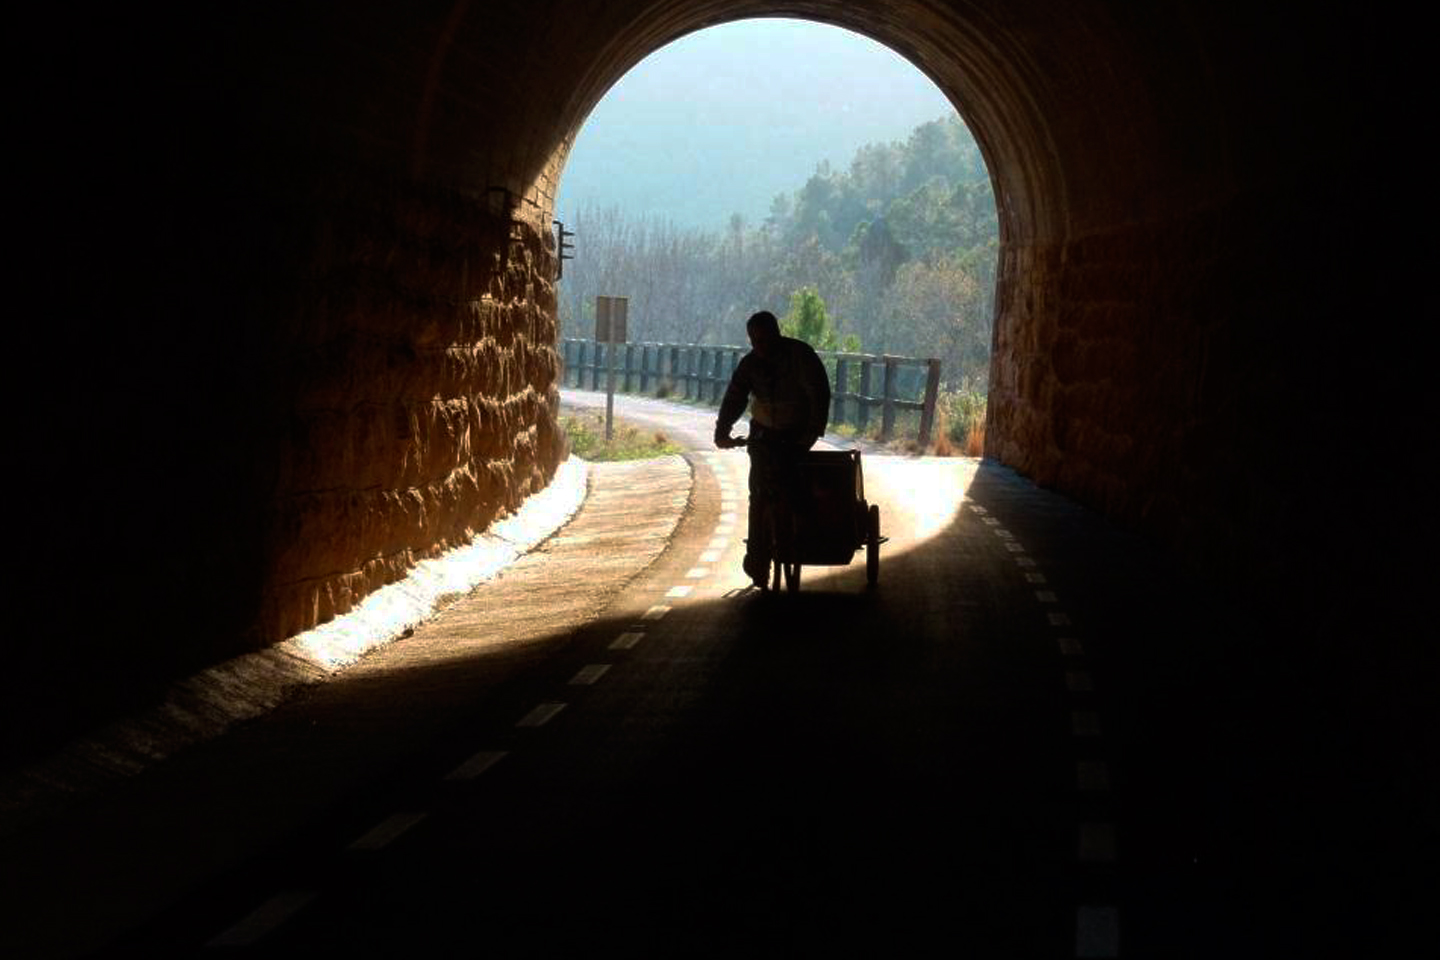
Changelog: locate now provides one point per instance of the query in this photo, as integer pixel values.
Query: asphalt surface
(1034, 739)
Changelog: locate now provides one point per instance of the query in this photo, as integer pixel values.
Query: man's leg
(757, 534)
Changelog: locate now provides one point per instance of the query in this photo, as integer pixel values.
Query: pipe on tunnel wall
(313, 280)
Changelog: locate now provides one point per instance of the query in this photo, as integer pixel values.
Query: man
(791, 392)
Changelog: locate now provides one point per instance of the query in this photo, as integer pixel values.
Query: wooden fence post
(887, 413)
(842, 369)
(715, 369)
(932, 393)
(862, 403)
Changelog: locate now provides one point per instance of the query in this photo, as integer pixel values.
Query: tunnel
(293, 322)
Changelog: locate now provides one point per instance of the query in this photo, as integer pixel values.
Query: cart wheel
(872, 547)
(792, 577)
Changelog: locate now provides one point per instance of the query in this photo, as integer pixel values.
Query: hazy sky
(723, 120)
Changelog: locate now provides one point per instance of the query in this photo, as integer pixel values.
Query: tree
(809, 321)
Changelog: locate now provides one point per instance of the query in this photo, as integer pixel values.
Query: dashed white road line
(626, 640)
(1046, 596)
(1071, 647)
(1097, 842)
(697, 573)
(541, 715)
(1085, 723)
(264, 919)
(1078, 681)
(1097, 932)
(678, 592)
(588, 674)
(655, 613)
(710, 556)
(1059, 619)
(1093, 776)
(476, 765)
(386, 832)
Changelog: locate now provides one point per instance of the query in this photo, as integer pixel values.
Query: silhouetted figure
(791, 392)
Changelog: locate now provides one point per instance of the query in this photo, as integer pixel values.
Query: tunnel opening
(796, 167)
(319, 217)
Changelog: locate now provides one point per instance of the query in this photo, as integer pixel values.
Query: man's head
(764, 331)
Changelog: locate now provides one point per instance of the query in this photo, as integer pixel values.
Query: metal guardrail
(692, 371)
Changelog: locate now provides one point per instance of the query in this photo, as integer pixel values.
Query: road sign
(610, 329)
(610, 316)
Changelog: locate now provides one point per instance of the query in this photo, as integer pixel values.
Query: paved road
(1030, 741)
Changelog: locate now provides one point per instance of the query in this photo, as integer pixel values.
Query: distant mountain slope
(724, 120)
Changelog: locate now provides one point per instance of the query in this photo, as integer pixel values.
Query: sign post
(610, 315)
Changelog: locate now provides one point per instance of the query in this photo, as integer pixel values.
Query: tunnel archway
(308, 311)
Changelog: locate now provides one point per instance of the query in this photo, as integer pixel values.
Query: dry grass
(975, 441)
(943, 447)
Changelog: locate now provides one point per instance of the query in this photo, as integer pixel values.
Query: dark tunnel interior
(291, 325)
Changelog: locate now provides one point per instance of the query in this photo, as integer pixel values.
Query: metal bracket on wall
(562, 249)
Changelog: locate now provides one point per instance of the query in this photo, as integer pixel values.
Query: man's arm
(737, 396)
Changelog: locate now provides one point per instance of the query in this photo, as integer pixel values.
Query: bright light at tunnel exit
(754, 133)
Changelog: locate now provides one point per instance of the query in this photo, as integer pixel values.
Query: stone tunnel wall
(425, 376)
(288, 343)
(288, 366)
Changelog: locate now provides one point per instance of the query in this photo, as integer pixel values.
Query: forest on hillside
(899, 249)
